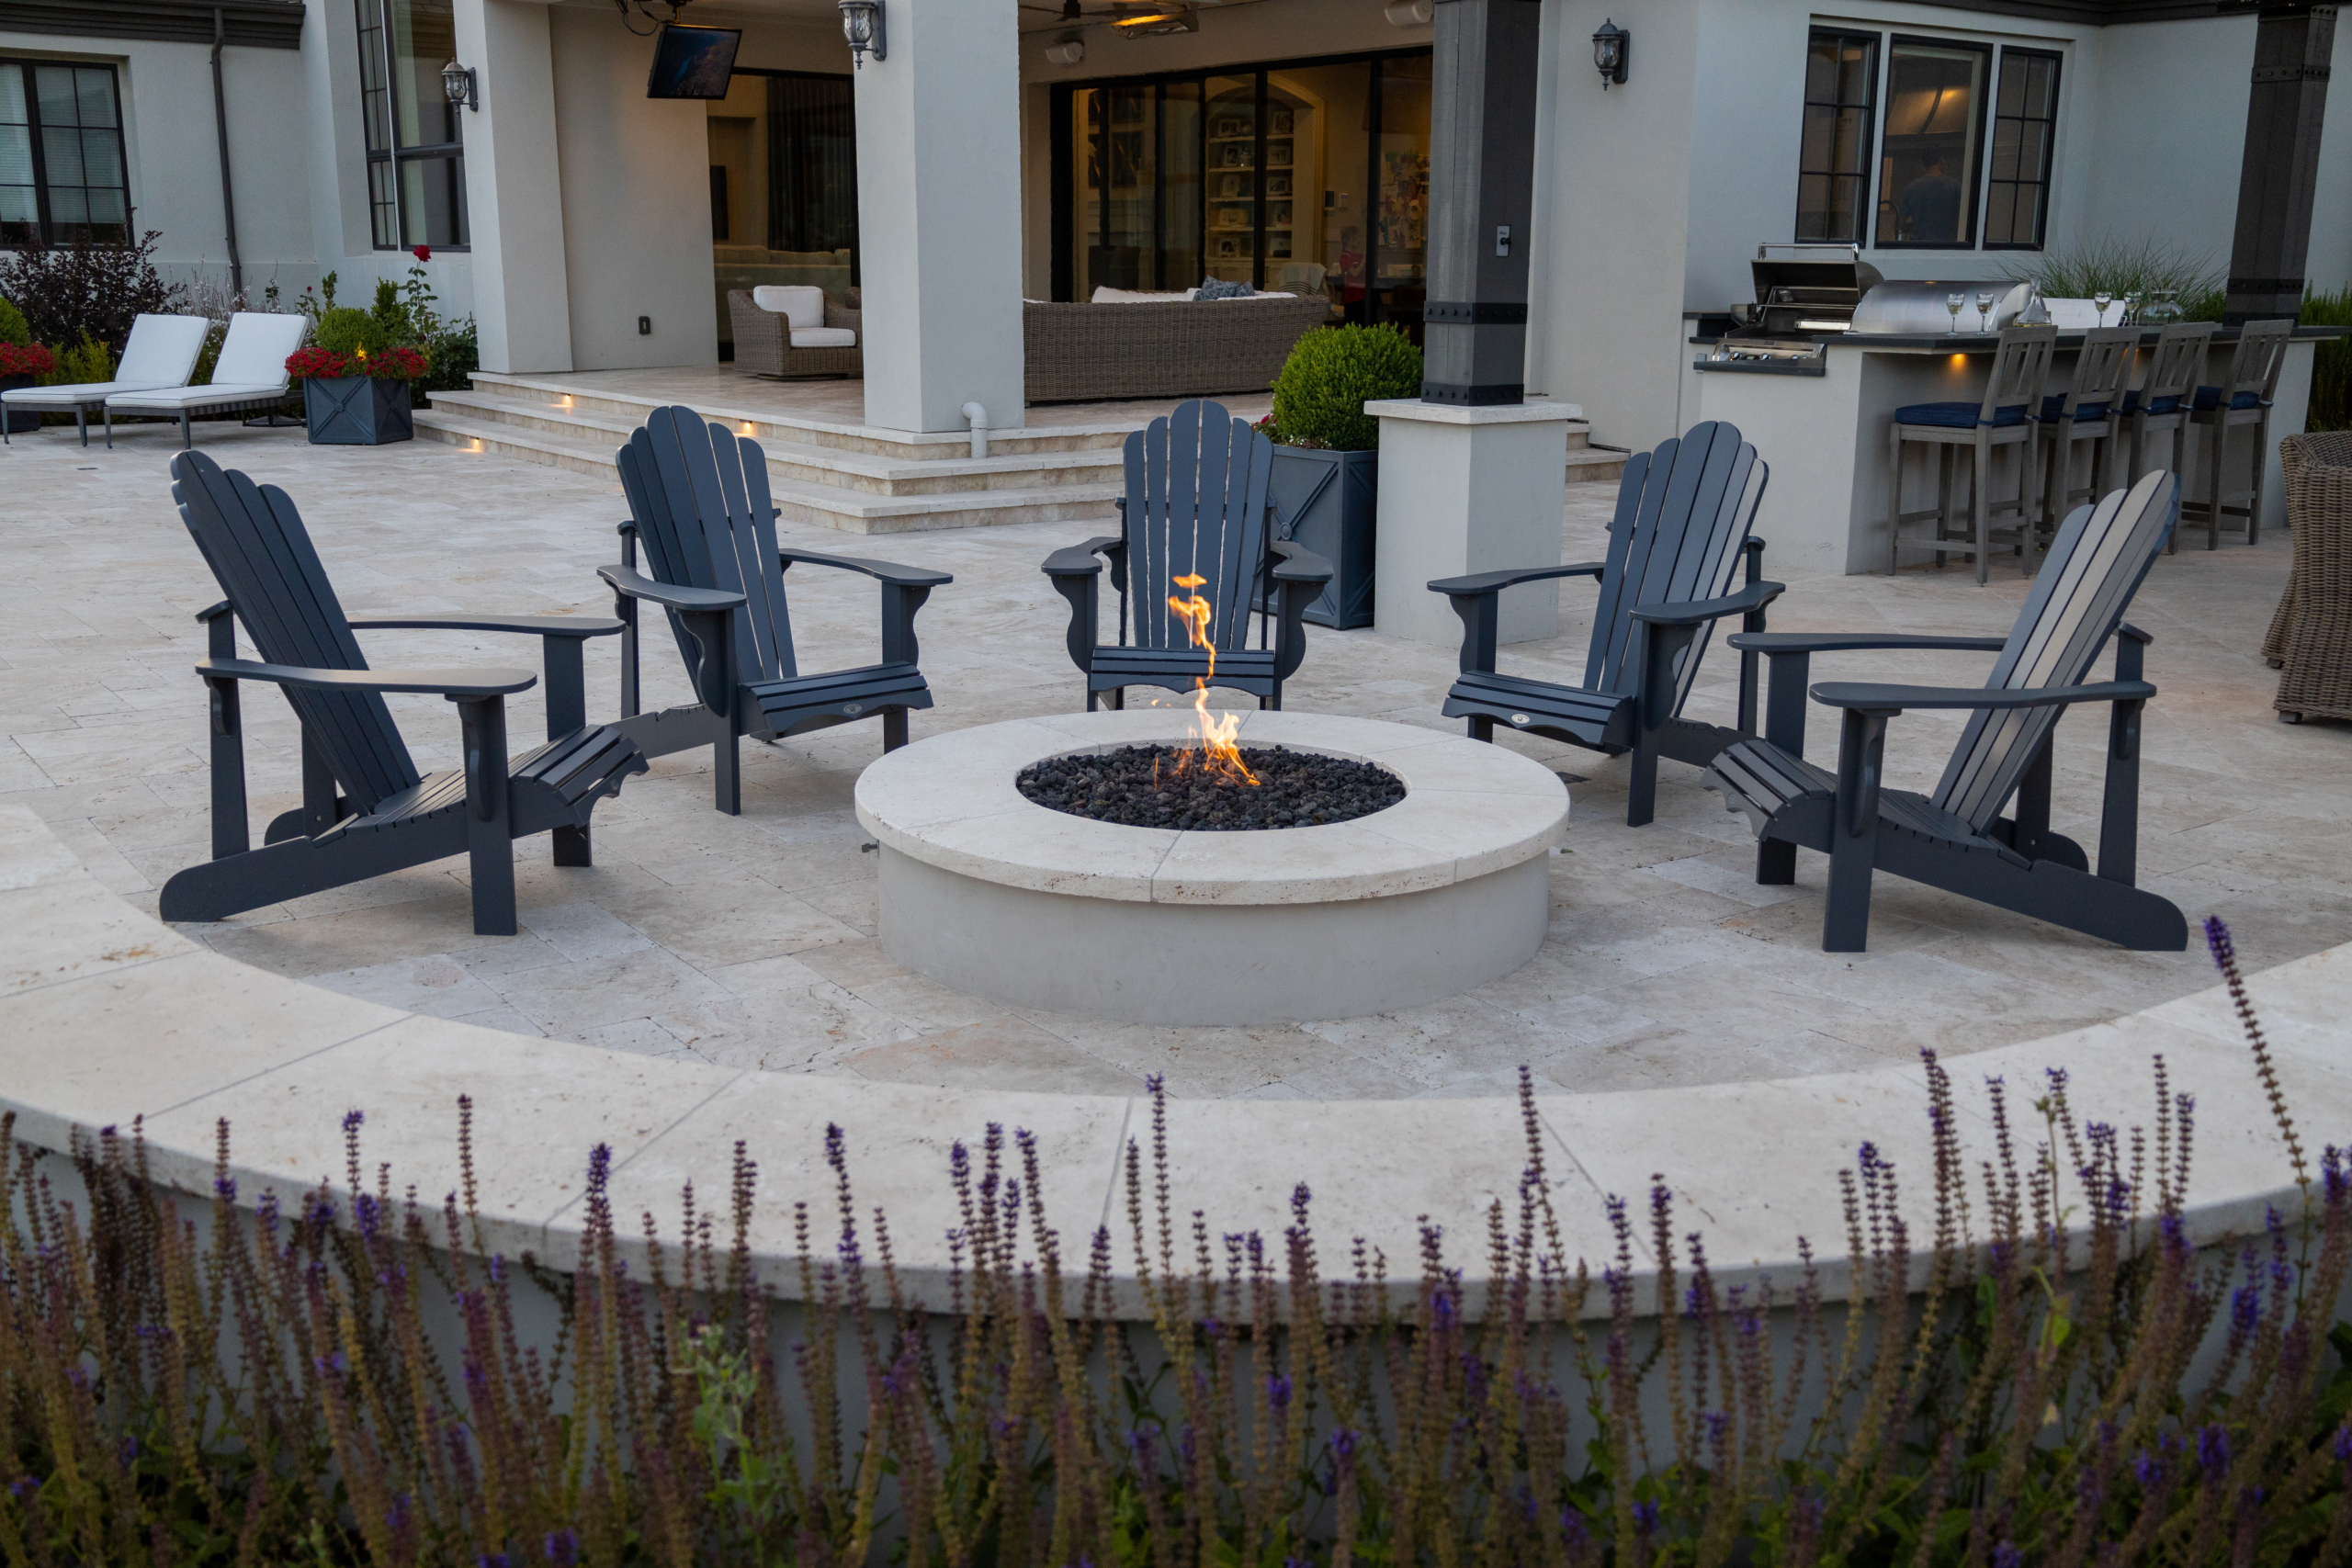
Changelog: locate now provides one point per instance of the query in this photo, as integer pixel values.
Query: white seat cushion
(67, 396)
(823, 337)
(801, 304)
(162, 351)
(1138, 297)
(253, 354)
(177, 397)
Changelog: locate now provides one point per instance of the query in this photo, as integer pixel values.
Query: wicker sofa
(763, 340)
(1176, 349)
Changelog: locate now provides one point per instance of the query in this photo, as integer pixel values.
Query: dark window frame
(2043, 181)
(385, 163)
(1065, 151)
(44, 219)
(1864, 205)
(1979, 138)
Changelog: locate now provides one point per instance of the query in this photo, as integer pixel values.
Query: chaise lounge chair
(162, 354)
(249, 375)
(1956, 838)
(366, 810)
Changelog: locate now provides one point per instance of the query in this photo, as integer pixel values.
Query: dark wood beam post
(1482, 198)
(2292, 46)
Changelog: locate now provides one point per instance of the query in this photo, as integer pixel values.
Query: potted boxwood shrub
(355, 385)
(1327, 452)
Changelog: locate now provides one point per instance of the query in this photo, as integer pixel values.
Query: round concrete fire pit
(988, 893)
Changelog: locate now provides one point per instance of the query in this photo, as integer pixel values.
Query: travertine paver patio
(749, 942)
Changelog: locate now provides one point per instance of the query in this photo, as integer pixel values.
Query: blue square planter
(356, 411)
(1329, 501)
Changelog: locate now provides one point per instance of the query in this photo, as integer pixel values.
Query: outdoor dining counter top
(1825, 432)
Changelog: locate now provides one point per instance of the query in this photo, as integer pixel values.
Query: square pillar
(939, 216)
(513, 189)
(1462, 489)
(2292, 47)
(1482, 199)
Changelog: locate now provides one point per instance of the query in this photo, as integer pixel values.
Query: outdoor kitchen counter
(1824, 432)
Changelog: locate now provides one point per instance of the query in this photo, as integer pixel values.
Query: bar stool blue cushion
(1956, 416)
(2053, 407)
(2208, 398)
(2155, 405)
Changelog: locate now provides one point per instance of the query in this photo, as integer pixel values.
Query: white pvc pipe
(978, 417)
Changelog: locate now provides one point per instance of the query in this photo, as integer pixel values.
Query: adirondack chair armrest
(1698, 611)
(1870, 698)
(1083, 560)
(1841, 642)
(885, 571)
(452, 683)
(532, 626)
(1479, 583)
(1299, 564)
(636, 585)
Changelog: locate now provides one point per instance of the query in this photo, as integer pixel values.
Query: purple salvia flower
(563, 1548)
(2213, 1453)
(1278, 1392)
(2006, 1555)
(1646, 1517)
(23, 1488)
(1343, 1445)
(2343, 1443)
(352, 1120)
(1572, 1529)
(2148, 1470)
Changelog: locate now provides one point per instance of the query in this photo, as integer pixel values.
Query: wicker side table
(2311, 635)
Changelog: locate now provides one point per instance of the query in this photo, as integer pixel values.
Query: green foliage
(87, 361)
(343, 330)
(2331, 405)
(2050, 1373)
(1331, 374)
(12, 324)
(70, 292)
(2121, 267)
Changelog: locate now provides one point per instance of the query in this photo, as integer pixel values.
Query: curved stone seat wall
(107, 1015)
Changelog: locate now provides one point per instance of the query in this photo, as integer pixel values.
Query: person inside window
(1929, 205)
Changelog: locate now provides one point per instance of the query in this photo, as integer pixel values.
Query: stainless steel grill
(1803, 292)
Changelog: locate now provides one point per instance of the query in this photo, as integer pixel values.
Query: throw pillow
(1219, 288)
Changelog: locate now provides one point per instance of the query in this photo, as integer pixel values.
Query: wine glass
(2130, 317)
(1952, 303)
(1984, 309)
(2103, 298)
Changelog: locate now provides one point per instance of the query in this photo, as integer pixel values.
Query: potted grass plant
(1327, 453)
(355, 382)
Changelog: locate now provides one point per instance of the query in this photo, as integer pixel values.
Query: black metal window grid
(416, 163)
(1834, 165)
(63, 175)
(2025, 141)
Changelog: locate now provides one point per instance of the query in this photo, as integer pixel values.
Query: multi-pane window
(2025, 137)
(1840, 86)
(1928, 155)
(61, 174)
(416, 163)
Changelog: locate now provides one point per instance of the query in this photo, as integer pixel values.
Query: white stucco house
(1047, 148)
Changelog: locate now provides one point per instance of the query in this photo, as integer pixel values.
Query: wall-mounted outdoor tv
(693, 63)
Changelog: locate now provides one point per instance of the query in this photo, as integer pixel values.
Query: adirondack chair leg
(894, 729)
(1784, 715)
(188, 432)
(1853, 833)
(489, 839)
(231, 834)
(319, 800)
(1980, 504)
(726, 774)
(82, 426)
(2119, 822)
(2032, 831)
(572, 846)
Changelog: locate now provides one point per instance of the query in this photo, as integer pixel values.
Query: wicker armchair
(2310, 636)
(764, 341)
(1179, 349)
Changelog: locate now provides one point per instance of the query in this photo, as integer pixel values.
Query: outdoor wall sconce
(458, 86)
(1411, 12)
(1067, 52)
(862, 25)
(1609, 46)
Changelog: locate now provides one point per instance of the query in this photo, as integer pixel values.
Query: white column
(939, 216)
(1464, 490)
(513, 196)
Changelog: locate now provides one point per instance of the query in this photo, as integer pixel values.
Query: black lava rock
(1165, 786)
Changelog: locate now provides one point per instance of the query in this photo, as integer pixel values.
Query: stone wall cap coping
(1535, 411)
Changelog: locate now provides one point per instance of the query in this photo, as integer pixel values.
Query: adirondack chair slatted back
(254, 542)
(2096, 565)
(1196, 506)
(1683, 512)
(699, 494)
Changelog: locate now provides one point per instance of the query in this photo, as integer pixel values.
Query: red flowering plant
(354, 342)
(26, 359)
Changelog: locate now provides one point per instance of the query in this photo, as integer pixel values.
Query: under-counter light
(1823, 326)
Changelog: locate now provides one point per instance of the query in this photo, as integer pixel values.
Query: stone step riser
(795, 468)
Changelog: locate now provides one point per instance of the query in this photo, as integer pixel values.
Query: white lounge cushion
(162, 351)
(1138, 297)
(254, 352)
(823, 337)
(173, 398)
(78, 394)
(801, 304)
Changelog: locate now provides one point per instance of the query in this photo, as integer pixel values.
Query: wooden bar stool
(2242, 401)
(2084, 412)
(2021, 368)
(2159, 405)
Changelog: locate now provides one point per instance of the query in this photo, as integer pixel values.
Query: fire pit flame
(1220, 751)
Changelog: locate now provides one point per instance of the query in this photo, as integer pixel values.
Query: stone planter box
(21, 421)
(1330, 503)
(356, 411)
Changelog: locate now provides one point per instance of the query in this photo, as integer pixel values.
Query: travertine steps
(858, 479)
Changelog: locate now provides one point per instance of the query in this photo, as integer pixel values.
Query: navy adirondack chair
(1957, 838)
(700, 508)
(1678, 535)
(1197, 506)
(366, 809)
